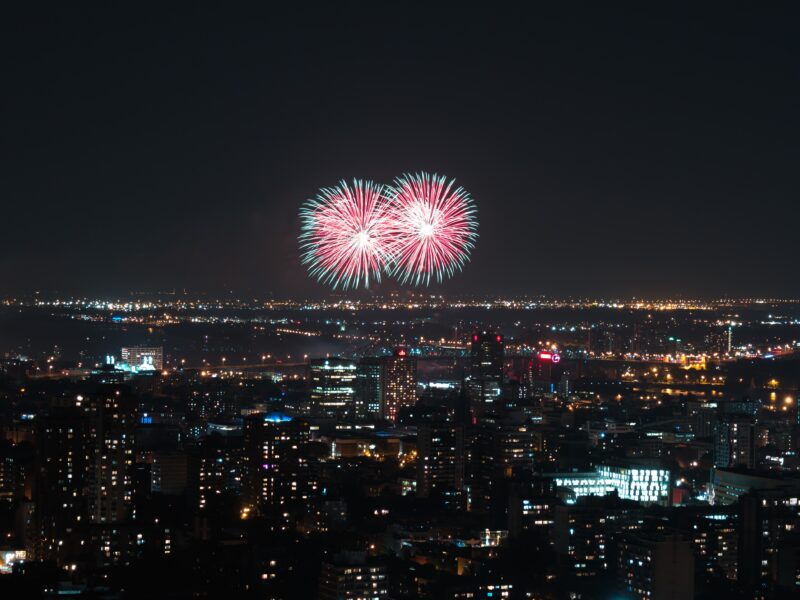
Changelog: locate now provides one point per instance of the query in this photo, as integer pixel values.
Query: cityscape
(393, 300)
(407, 446)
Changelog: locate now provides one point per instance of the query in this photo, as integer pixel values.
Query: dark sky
(642, 149)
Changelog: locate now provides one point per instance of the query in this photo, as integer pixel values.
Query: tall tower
(398, 383)
(369, 393)
(62, 460)
(111, 415)
(486, 372)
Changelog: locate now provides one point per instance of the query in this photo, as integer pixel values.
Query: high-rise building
(216, 470)
(441, 452)
(486, 370)
(500, 452)
(15, 465)
(333, 387)
(112, 418)
(62, 469)
(398, 383)
(766, 519)
(143, 358)
(657, 567)
(735, 442)
(277, 472)
(369, 393)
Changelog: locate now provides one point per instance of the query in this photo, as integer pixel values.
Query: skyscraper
(112, 419)
(333, 387)
(442, 452)
(486, 369)
(398, 383)
(369, 393)
(62, 460)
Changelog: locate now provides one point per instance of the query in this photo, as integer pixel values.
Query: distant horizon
(396, 295)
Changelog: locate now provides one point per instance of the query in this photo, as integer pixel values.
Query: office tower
(735, 442)
(60, 483)
(333, 387)
(486, 370)
(352, 576)
(143, 358)
(112, 418)
(656, 567)
(368, 400)
(441, 453)
(398, 383)
(276, 472)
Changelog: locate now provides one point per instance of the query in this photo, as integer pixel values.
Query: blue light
(277, 417)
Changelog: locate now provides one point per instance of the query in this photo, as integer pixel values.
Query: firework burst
(345, 234)
(432, 227)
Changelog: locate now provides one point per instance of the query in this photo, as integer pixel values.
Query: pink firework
(345, 234)
(433, 228)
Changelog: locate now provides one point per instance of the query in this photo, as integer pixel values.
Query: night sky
(631, 150)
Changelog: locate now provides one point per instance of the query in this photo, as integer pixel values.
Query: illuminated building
(15, 465)
(276, 461)
(112, 420)
(581, 536)
(500, 451)
(441, 453)
(351, 576)
(539, 376)
(715, 537)
(728, 485)
(333, 387)
(735, 442)
(368, 400)
(398, 383)
(217, 469)
(143, 358)
(62, 469)
(486, 370)
(481, 590)
(768, 519)
(631, 481)
(656, 567)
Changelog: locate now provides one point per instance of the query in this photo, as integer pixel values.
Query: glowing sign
(556, 358)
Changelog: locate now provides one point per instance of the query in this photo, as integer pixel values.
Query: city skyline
(399, 301)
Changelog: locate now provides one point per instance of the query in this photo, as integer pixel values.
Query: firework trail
(345, 234)
(432, 227)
